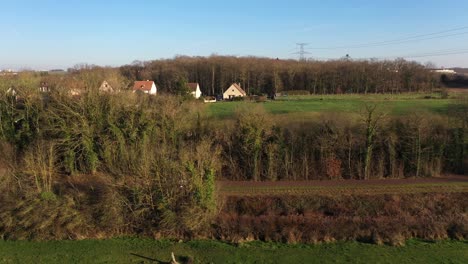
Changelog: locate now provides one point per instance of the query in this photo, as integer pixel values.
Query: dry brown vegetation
(103, 165)
(390, 219)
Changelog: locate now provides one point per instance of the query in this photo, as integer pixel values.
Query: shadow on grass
(181, 259)
(150, 259)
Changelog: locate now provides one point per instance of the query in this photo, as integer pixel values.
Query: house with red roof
(147, 87)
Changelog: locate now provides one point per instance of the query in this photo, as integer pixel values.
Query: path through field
(449, 183)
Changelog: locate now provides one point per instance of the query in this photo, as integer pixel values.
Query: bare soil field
(458, 90)
(448, 183)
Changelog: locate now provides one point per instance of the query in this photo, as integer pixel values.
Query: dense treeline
(267, 76)
(454, 81)
(337, 147)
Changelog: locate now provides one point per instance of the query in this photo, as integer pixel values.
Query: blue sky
(59, 34)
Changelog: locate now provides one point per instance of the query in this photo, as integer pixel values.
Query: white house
(106, 87)
(194, 89)
(147, 87)
(234, 91)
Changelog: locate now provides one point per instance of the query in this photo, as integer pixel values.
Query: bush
(369, 218)
(297, 92)
(237, 99)
(444, 94)
(261, 99)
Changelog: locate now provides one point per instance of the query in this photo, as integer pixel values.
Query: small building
(209, 99)
(194, 89)
(106, 88)
(234, 90)
(444, 71)
(44, 87)
(147, 87)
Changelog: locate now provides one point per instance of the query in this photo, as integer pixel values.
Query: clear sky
(59, 34)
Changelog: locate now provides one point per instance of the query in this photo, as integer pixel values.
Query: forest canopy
(267, 76)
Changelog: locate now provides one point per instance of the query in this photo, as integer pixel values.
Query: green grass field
(131, 250)
(392, 104)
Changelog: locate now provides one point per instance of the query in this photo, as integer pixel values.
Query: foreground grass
(393, 104)
(151, 251)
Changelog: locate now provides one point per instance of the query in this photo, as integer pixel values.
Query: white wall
(153, 90)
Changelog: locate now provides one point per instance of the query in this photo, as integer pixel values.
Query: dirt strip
(449, 183)
(444, 179)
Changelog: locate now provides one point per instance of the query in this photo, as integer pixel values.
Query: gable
(106, 87)
(235, 89)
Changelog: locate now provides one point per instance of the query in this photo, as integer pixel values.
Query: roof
(237, 86)
(143, 85)
(192, 86)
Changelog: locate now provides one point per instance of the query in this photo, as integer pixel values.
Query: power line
(417, 55)
(401, 40)
(433, 54)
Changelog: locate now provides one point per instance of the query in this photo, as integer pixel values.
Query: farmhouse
(106, 87)
(194, 89)
(147, 87)
(234, 91)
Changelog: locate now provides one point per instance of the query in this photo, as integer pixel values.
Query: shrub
(237, 99)
(298, 92)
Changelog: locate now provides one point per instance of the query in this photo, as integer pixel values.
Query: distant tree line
(255, 75)
(265, 75)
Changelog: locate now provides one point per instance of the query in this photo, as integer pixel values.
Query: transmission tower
(302, 52)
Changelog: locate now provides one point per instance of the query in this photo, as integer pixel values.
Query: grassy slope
(150, 251)
(396, 105)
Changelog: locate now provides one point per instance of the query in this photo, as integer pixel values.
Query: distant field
(152, 251)
(302, 105)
